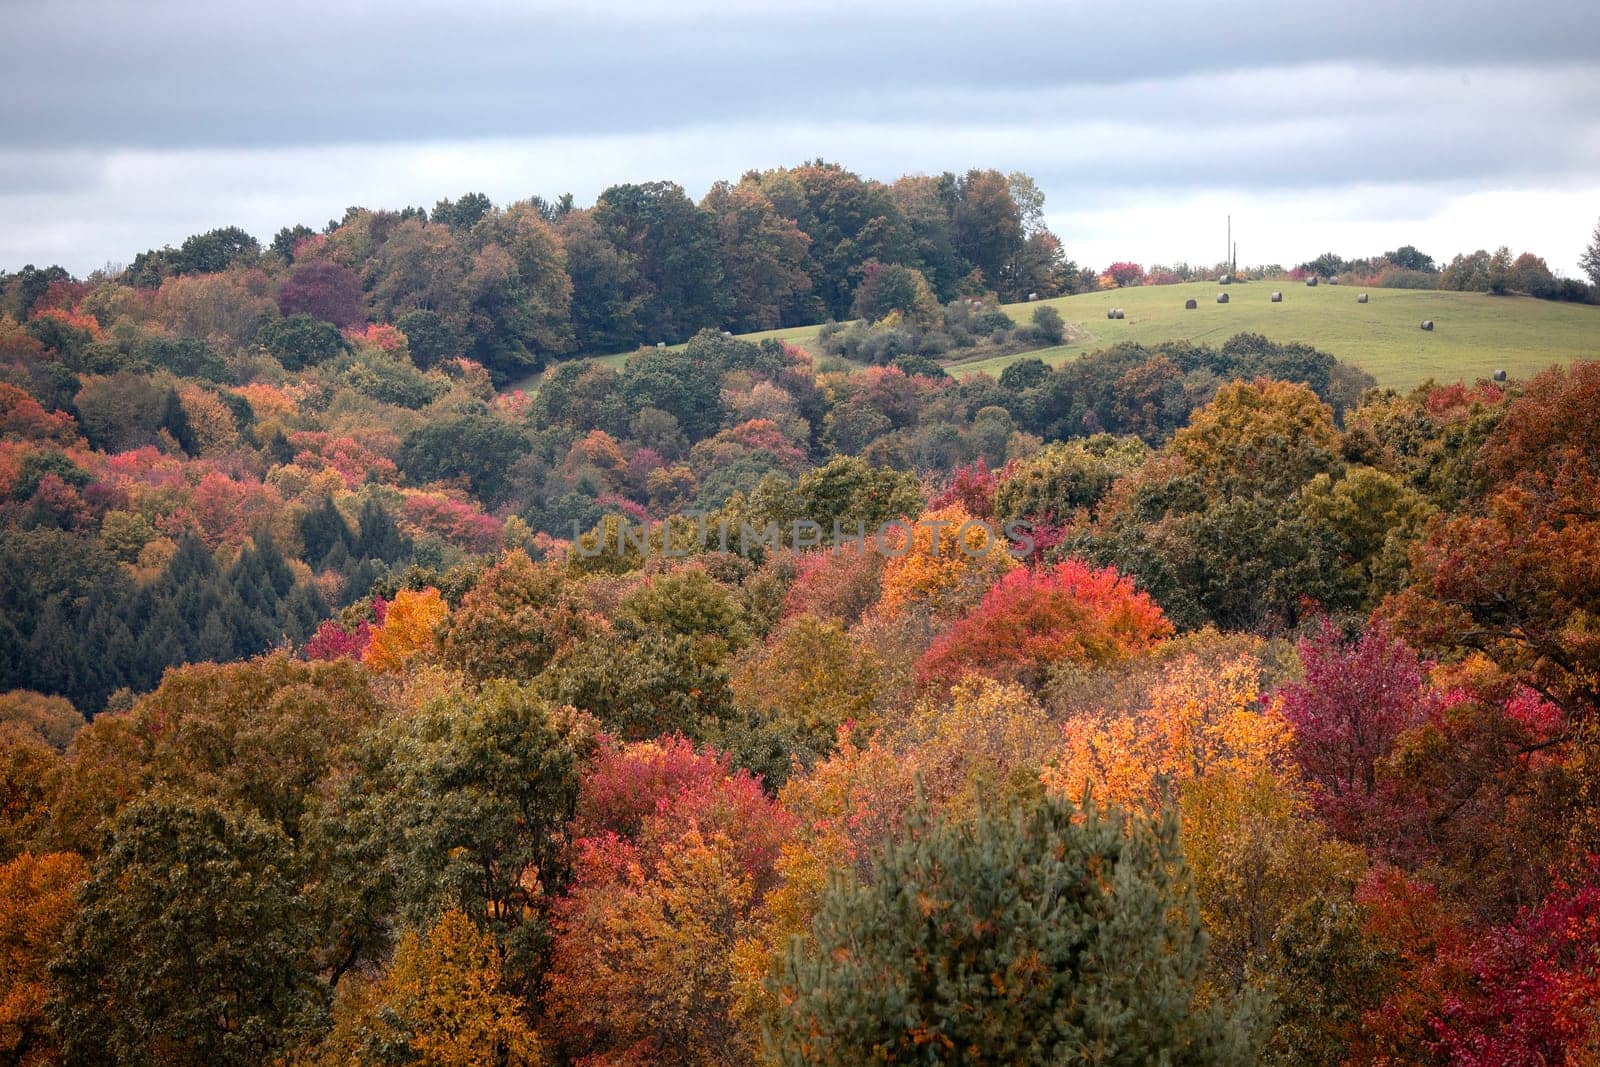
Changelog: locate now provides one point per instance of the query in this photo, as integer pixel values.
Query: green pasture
(1474, 334)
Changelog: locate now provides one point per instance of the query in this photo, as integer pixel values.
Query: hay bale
(1277, 297)
(1499, 375)
(727, 333)
(1427, 324)
(1033, 296)
(1311, 282)
(1111, 313)
(1226, 279)
(1190, 304)
(1333, 281)
(1222, 298)
(661, 344)
(1362, 299)
(1121, 314)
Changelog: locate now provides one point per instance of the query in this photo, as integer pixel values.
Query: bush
(1048, 327)
(992, 321)
(1404, 278)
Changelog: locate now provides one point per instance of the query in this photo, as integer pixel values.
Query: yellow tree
(1199, 719)
(37, 901)
(983, 746)
(1259, 436)
(1257, 855)
(948, 562)
(442, 1001)
(408, 628)
(811, 677)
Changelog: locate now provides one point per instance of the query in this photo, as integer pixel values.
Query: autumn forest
(369, 691)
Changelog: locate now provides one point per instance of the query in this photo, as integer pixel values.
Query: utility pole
(1227, 252)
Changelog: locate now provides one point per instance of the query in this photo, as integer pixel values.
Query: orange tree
(1518, 577)
(1031, 620)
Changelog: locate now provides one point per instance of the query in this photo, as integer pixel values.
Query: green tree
(1056, 482)
(658, 684)
(420, 266)
(521, 297)
(1048, 326)
(849, 221)
(1590, 260)
(848, 490)
(1325, 973)
(1055, 934)
(763, 255)
(889, 287)
(216, 250)
(461, 214)
(1501, 274)
(479, 449)
(459, 805)
(1407, 257)
(675, 246)
(690, 603)
(430, 338)
(300, 341)
(606, 293)
(191, 946)
(517, 618)
(681, 383)
(989, 228)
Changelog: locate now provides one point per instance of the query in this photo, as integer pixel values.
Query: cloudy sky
(1324, 124)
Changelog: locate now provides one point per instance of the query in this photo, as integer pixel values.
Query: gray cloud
(129, 126)
(188, 74)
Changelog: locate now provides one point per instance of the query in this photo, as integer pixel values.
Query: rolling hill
(1474, 333)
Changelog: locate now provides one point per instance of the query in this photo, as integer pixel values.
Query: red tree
(1356, 699)
(323, 290)
(1031, 619)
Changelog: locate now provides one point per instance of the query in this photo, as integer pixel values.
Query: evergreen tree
(322, 529)
(380, 538)
(1057, 934)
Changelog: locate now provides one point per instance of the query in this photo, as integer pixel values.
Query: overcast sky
(1333, 125)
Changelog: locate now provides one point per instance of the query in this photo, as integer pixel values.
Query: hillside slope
(1474, 334)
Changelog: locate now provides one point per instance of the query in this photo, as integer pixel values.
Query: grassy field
(1474, 334)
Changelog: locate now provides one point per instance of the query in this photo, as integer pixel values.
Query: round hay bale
(1362, 299)
(1121, 314)
(1111, 313)
(1311, 282)
(1190, 304)
(1033, 296)
(661, 344)
(1333, 281)
(1277, 297)
(1226, 279)
(1427, 324)
(1222, 298)
(1499, 375)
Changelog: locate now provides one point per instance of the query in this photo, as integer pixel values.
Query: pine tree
(380, 538)
(324, 531)
(1058, 934)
